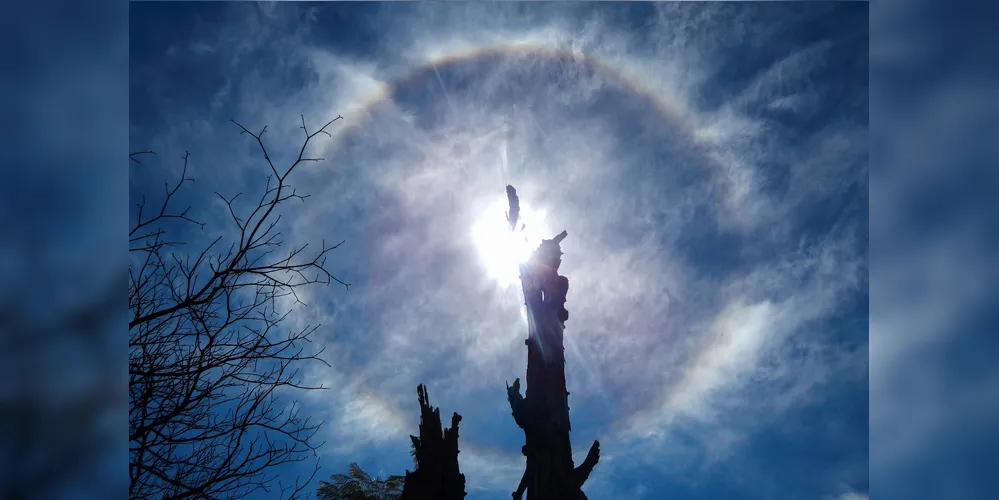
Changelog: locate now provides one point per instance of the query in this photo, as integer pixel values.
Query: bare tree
(208, 350)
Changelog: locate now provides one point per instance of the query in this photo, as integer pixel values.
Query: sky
(709, 162)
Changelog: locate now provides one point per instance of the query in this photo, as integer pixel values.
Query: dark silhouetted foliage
(359, 485)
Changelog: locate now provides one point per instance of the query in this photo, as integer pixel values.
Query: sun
(502, 251)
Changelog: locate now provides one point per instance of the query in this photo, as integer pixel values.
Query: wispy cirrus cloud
(711, 173)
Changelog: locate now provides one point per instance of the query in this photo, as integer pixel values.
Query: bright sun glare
(502, 251)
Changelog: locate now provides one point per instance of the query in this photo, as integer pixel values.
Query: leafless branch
(209, 355)
(132, 156)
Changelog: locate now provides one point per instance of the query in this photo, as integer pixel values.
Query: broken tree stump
(543, 411)
(435, 454)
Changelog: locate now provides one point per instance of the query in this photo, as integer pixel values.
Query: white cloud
(490, 470)
(711, 348)
(853, 496)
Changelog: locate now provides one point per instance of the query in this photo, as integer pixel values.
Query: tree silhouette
(208, 353)
(435, 455)
(359, 485)
(543, 411)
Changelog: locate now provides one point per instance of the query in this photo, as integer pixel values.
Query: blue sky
(709, 162)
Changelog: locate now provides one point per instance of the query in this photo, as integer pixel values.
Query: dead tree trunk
(543, 412)
(435, 453)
